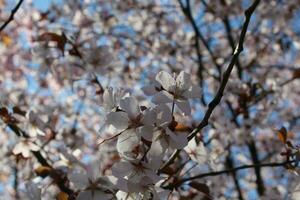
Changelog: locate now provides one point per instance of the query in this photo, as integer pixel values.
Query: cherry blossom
(176, 89)
(92, 186)
(24, 148)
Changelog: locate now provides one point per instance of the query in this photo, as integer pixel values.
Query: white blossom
(173, 89)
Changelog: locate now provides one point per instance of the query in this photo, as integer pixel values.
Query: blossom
(142, 190)
(133, 123)
(36, 125)
(198, 153)
(92, 186)
(111, 99)
(135, 170)
(163, 136)
(178, 90)
(24, 147)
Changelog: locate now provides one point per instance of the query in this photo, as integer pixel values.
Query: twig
(11, 17)
(188, 13)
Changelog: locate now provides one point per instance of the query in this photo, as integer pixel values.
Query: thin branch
(273, 164)
(216, 100)
(188, 13)
(11, 17)
(226, 171)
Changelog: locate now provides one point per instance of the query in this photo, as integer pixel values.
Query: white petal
(79, 180)
(184, 107)
(162, 97)
(146, 132)
(178, 141)
(119, 120)
(33, 147)
(18, 148)
(127, 142)
(164, 115)
(149, 117)
(166, 81)
(183, 81)
(122, 169)
(130, 106)
(25, 153)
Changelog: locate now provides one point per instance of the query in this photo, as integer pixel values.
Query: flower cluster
(146, 134)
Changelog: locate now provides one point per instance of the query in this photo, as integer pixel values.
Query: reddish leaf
(61, 40)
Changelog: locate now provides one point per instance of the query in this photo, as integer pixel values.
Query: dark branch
(212, 105)
(11, 17)
(226, 171)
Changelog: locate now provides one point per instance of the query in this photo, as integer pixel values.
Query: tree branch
(11, 17)
(216, 100)
(226, 171)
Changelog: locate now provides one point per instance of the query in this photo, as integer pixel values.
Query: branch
(11, 17)
(188, 13)
(212, 105)
(226, 171)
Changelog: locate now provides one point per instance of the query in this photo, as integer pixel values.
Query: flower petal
(177, 141)
(183, 81)
(130, 106)
(146, 132)
(184, 107)
(162, 97)
(119, 120)
(166, 81)
(127, 142)
(122, 169)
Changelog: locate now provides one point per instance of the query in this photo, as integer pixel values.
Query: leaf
(282, 135)
(62, 196)
(201, 187)
(43, 171)
(61, 40)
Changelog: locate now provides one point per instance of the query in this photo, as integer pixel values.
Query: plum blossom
(170, 89)
(91, 185)
(24, 147)
(133, 123)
